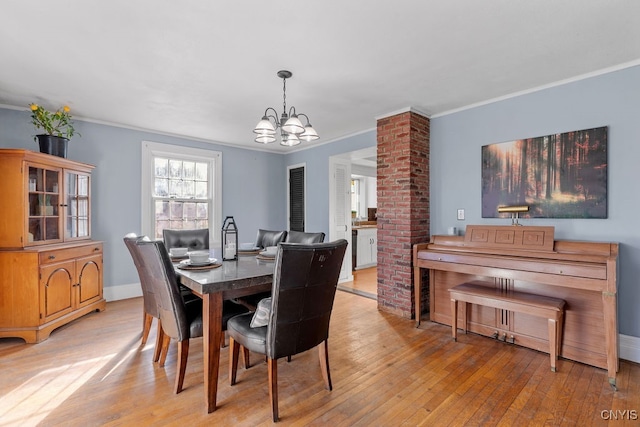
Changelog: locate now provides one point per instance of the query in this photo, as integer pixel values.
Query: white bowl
(270, 250)
(178, 251)
(199, 257)
(247, 246)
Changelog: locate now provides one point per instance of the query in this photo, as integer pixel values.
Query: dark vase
(55, 145)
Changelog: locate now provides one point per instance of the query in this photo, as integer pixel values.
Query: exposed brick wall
(403, 206)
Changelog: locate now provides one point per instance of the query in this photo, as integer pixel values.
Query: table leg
(212, 331)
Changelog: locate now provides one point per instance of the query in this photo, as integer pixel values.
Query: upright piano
(528, 259)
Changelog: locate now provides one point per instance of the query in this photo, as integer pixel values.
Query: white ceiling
(207, 69)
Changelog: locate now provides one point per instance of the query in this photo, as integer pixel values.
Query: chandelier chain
(284, 95)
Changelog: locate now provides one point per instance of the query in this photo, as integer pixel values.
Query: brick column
(403, 206)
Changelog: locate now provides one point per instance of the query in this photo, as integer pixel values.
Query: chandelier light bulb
(265, 127)
(265, 139)
(293, 125)
(290, 140)
(309, 134)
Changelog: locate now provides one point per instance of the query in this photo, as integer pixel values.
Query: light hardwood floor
(385, 372)
(364, 283)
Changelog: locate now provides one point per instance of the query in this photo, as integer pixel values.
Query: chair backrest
(270, 238)
(155, 269)
(304, 287)
(148, 297)
(196, 239)
(303, 237)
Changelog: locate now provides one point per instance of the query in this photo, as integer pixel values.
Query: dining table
(247, 275)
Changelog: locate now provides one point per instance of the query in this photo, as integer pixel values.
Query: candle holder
(229, 239)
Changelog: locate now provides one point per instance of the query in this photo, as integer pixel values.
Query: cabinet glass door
(44, 205)
(77, 202)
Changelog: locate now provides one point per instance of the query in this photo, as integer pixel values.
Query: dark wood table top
(245, 276)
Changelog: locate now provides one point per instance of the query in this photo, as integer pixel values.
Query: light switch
(460, 214)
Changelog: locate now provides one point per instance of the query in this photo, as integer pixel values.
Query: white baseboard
(629, 348)
(115, 293)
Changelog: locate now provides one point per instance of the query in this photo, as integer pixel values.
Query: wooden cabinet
(367, 247)
(50, 269)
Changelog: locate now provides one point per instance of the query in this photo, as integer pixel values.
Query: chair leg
(272, 365)
(166, 340)
(234, 350)
(146, 326)
(159, 339)
(183, 355)
(323, 352)
(247, 363)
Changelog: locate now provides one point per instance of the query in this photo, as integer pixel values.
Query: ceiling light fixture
(292, 132)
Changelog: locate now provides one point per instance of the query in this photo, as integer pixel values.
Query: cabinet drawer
(48, 257)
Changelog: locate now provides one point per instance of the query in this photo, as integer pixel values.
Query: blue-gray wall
(456, 139)
(316, 162)
(254, 183)
(608, 100)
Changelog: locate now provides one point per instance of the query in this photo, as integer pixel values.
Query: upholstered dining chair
(195, 240)
(251, 301)
(304, 237)
(304, 287)
(179, 319)
(150, 308)
(269, 238)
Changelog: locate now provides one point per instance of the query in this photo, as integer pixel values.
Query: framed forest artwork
(557, 176)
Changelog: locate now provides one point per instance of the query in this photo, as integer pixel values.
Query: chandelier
(292, 132)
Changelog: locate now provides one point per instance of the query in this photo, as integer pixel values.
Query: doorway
(364, 283)
(360, 167)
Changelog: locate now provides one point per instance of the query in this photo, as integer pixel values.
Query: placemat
(241, 252)
(266, 258)
(199, 267)
(178, 258)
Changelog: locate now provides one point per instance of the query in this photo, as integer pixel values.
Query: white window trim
(153, 149)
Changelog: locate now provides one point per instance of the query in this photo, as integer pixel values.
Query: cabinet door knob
(52, 257)
(96, 249)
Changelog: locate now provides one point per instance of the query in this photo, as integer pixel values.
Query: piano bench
(485, 293)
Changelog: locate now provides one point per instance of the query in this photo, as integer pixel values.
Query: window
(181, 189)
(355, 198)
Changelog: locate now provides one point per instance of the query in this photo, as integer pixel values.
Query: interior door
(296, 198)
(340, 210)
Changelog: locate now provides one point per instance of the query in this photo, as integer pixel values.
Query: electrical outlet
(460, 214)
